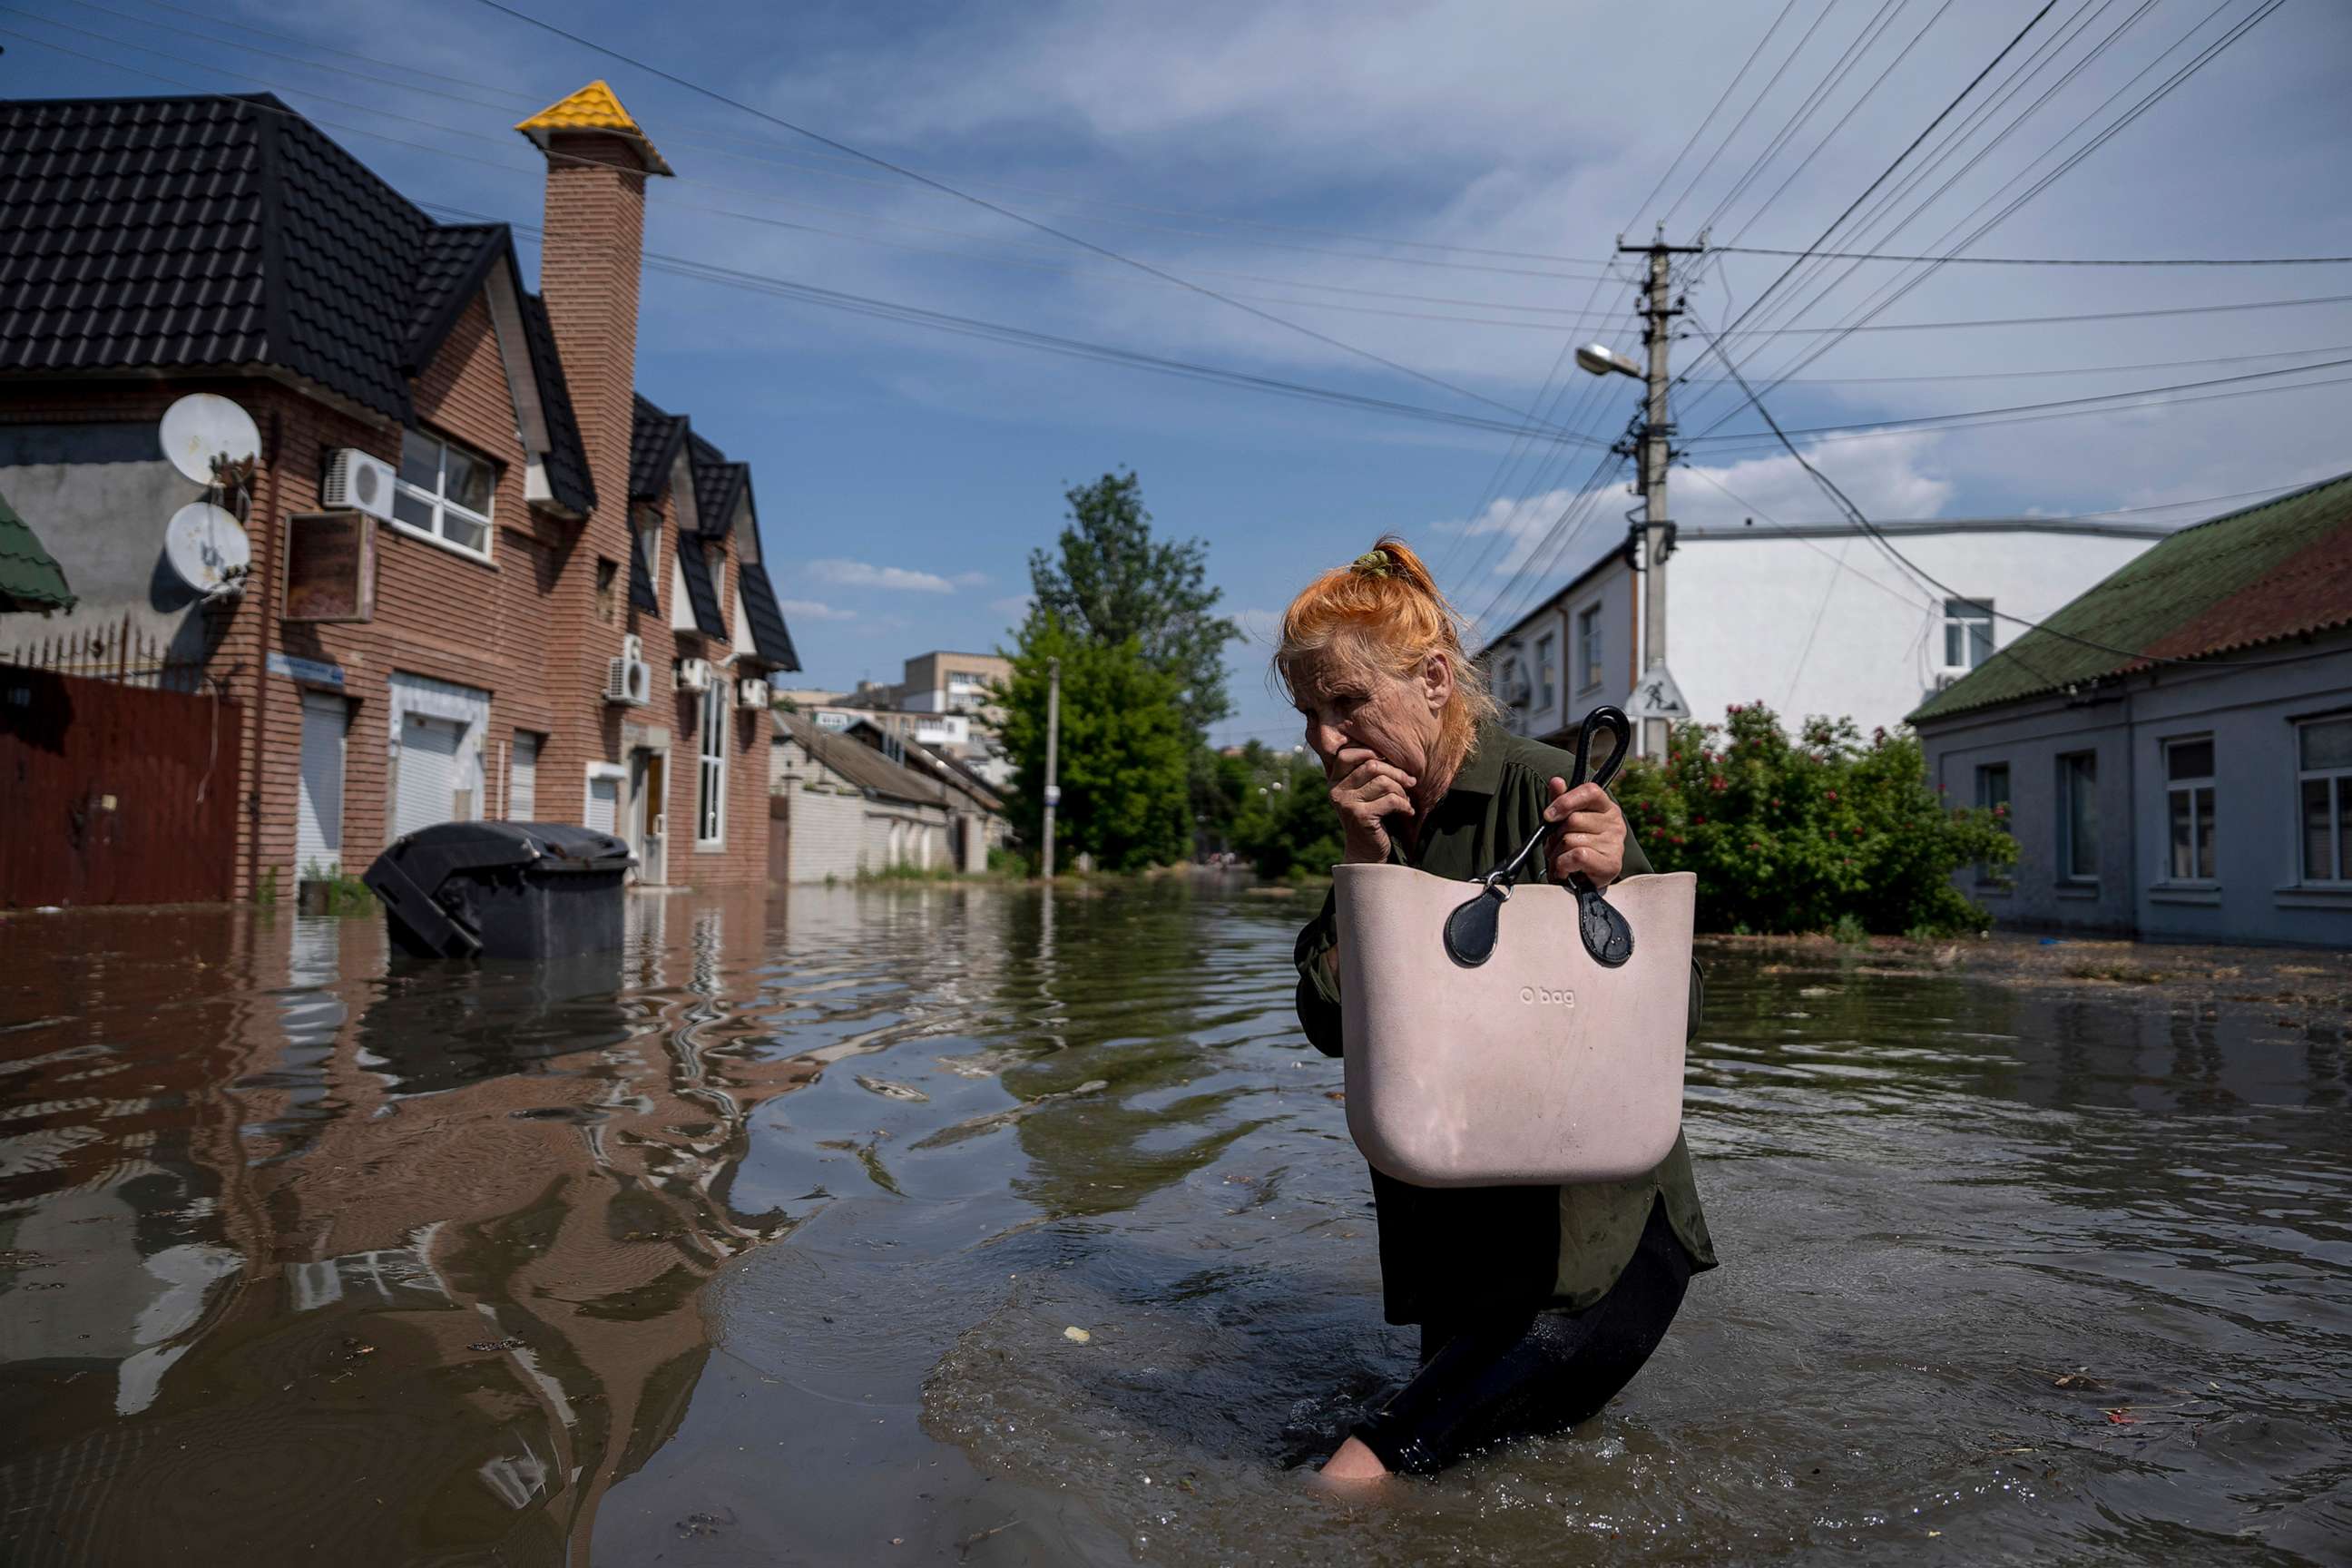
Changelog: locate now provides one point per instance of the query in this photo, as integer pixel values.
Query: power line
(1721, 98)
(1943, 114)
(533, 100)
(916, 315)
(1856, 515)
(1754, 104)
(2029, 375)
(1974, 415)
(2195, 64)
(1001, 210)
(2048, 260)
(2042, 321)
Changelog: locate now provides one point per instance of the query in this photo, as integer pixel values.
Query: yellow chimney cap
(594, 108)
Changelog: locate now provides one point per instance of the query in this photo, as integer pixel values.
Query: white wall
(1579, 687)
(1830, 625)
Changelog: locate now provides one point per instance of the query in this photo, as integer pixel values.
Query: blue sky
(1375, 173)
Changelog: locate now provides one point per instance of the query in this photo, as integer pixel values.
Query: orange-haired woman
(1536, 1304)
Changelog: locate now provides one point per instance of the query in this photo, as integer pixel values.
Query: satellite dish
(203, 425)
(206, 546)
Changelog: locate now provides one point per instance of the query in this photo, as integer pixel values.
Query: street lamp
(1601, 360)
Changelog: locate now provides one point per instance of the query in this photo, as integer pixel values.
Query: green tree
(1122, 768)
(1110, 581)
(1791, 836)
(1286, 825)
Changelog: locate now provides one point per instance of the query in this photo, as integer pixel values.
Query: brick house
(545, 522)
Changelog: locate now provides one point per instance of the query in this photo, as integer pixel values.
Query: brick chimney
(597, 161)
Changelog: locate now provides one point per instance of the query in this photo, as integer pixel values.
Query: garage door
(603, 804)
(319, 809)
(428, 773)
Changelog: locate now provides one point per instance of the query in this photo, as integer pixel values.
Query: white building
(841, 808)
(1806, 619)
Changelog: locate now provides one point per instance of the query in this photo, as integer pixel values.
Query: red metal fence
(110, 794)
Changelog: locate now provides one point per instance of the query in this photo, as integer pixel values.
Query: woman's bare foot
(1353, 1462)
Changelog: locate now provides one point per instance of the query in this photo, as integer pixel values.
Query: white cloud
(1012, 606)
(971, 579)
(866, 575)
(816, 610)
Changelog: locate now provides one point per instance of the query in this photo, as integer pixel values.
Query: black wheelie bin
(502, 890)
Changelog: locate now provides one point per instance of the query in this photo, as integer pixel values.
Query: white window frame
(2201, 826)
(710, 768)
(1964, 615)
(1547, 670)
(2338, 827)
(2066, 845)
(1588, 644)
(442, 507)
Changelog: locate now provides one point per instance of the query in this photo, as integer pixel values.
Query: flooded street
(762, 1245)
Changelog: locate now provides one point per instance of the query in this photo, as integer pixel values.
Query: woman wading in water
(1536, 1304)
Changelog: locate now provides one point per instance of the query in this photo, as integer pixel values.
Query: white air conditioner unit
(694, 674)
(1945, 680)
(629, 679)
(750, 694)
(357, 483)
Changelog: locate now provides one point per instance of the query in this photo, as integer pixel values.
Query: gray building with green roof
(2174, 747)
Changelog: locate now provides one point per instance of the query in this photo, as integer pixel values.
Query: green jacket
(1447, 1253)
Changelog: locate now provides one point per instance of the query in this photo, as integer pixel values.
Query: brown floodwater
(761, 1244)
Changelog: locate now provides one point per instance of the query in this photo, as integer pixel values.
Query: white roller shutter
(522, 779)
(603, 804)
(428, 773)
(318, 813)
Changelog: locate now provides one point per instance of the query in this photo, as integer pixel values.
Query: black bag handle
(1472, 928)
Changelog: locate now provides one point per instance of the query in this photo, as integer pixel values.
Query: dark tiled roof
(718, 484)
(770, 639)
(654, 439)
(567, 457)
(217, 232)
(2283, 569)
(30, 577)
(860, 764)
(699, 591)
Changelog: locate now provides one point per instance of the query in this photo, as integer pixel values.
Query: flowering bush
(1790, 836)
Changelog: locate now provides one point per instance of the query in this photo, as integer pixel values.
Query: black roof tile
(220, 232)
(654, 439)
(700, 592)
(567, 457)
(770, 639)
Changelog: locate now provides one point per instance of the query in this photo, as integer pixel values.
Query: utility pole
(1655, 450)
(1053, 754)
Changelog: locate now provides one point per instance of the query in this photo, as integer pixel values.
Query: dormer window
(444, 494)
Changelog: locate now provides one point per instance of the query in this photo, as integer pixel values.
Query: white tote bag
(1502, 1035)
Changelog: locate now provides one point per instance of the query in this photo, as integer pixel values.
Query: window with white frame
(710, 808)
(2078, 816)
(444, 494)
(1547, 668)
(1588, 646)
(2323, 779)
(2188, 796)
(1968, 632)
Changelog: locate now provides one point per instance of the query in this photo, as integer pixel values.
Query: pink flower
(1832, 794)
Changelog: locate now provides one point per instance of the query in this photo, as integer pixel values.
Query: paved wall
(97, 496)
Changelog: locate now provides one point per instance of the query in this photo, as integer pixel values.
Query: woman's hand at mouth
(1368, 792)
(1590, 835)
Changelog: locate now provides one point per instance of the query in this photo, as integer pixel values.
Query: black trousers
(1531, 1373)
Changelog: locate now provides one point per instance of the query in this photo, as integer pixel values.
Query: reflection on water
(305, 1250)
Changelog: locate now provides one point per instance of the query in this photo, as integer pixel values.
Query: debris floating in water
(1076, 1335)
